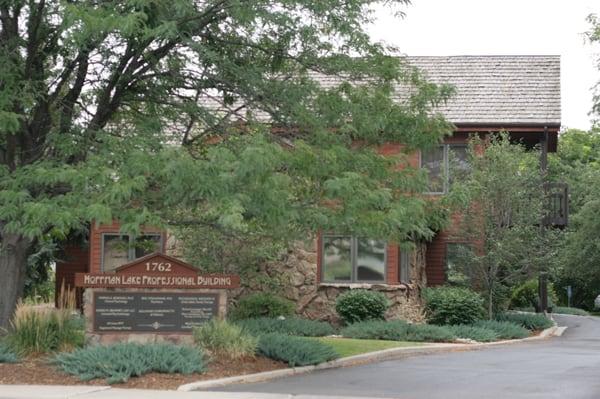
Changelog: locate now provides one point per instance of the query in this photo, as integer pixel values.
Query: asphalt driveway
(560, 367)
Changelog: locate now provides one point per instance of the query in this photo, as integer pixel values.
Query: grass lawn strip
(349, 346)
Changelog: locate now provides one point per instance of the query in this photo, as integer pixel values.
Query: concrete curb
(365, 358)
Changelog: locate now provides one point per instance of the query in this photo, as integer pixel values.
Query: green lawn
(349, 347)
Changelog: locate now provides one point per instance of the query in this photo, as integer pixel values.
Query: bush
(566, 310)
(452, 305)
(504, 329)
(476, 333)
(222, 338)
(397, 330)
(429, 333)
(117, 363)
(262, 305)
(6, 355)
(360, 305)
(526, 295)
(43, 330)
(530, 321)
(394, 330)
(295, 351)
(289, 326)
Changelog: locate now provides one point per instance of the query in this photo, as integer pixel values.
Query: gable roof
(497, 90)
(503, 89)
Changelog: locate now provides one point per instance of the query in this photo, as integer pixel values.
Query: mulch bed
(37, 371)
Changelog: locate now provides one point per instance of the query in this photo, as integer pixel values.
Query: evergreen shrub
(117, 363)
(398, 330)
(452, 305)
(530, 321)
(526, 295)
(295, 351)
(262, 305)
(7, 355)
(476, 333)
(288, 326)
(360, 305)
(225, 339)
(504, 329)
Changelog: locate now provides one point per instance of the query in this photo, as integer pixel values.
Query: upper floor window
(353, 259)
(118, 249)
(444, 164)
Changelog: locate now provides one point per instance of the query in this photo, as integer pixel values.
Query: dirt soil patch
(37, 371)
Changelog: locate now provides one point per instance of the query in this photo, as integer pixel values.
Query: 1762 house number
(158, 267)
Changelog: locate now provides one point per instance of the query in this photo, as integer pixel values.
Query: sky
(507, 27)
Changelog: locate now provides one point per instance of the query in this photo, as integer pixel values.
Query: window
(444, 164)
(456, 257)
(118, 249)
(353, 259)
(405, 266)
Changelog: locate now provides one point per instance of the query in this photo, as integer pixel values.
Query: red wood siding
(74, 260)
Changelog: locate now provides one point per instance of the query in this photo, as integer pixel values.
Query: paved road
(565, 367)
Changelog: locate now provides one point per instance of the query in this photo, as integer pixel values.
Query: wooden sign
(157, 271)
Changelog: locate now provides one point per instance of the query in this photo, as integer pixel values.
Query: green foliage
(452, 305)
(398, 330)
(530, 321)
(36, 330)
(360, 305)
(225, 339)
(170, 131)
(504, 329)
(295, 351)
(526, 295)
(506, 185)
(117, 363)
(572, 311)
(262, 304)
(350, 347)
(476, 333)
(7, 355)
(287, 326)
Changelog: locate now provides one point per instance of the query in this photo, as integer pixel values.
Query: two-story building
(516, 94)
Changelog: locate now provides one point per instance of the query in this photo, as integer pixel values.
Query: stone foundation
(296, 273)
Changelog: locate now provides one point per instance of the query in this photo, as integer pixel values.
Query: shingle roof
(490, 90)
(498, 89)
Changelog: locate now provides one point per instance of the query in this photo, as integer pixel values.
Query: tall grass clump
(117, 363)
(36, 330)
(222, 338)
(504, 329)
(295, 351)
(530, 321)
(288, 326)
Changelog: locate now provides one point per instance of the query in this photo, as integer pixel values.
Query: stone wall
(296, 272)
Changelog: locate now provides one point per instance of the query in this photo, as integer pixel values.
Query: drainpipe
(543, 277)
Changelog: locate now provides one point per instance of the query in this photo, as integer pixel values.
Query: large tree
(154, 112)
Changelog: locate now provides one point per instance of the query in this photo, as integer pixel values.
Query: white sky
(484, 27)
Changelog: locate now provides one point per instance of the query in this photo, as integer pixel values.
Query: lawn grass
(349, 347)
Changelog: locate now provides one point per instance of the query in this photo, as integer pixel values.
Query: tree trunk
(14, 250)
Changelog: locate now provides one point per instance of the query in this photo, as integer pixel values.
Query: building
(517, 94)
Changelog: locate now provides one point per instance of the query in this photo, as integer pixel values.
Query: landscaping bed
(37, 371)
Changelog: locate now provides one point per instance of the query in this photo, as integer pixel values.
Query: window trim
(446, 167)
(353, 259)
(130, 248)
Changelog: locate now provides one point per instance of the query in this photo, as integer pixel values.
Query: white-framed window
(119, 249)
(444, 163)
(350, 259)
